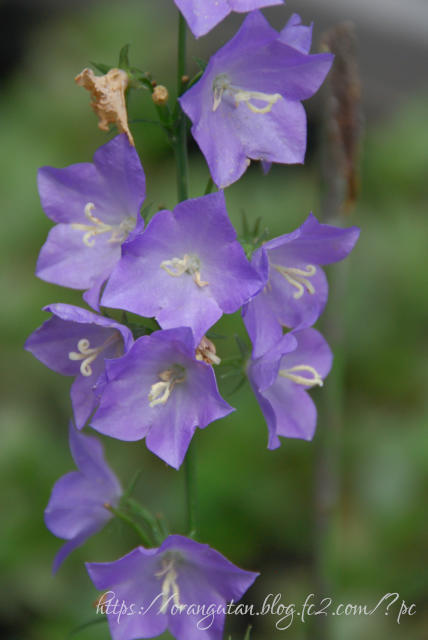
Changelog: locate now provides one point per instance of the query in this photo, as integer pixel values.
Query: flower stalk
(180, 146)
(182, 194)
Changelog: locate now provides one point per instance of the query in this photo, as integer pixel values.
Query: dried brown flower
(206, 351)
(108, 98)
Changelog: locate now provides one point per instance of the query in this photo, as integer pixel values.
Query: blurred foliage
(255, 505)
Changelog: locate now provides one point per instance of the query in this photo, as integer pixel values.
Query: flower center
(160, 391)
(222, 86)
(187, 264)
(119, 232)
(293, 374)
(170, 587)
(88, 354)
(298, 278)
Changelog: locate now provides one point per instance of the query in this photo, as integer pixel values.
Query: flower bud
(160, 95)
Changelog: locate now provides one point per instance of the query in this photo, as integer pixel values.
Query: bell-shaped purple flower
(78, 506)
(299, 360)
(159, 391)
(182, 586)
(186, 269)
(296, 289)
(76, 342)
(204, 15)
(97, 209)
(247, 105)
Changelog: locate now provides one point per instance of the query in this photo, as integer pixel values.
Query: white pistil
(222, 85)
(187, 264)
(298, 278)
(119, 232)
(161, 391)
(88, 354)
(169, 584)
(293, 375)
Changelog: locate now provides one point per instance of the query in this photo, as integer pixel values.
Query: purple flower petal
(280, 378)
(76, 342)
(180, 572)
(159, 391)
(247, 103)
(204, 15)
(296, 288)
(296, 35)
(97, 207)
(76, 508)
(314, 243)
(186, 269)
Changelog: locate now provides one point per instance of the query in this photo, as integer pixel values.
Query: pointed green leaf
(124, 58)
(99, 66)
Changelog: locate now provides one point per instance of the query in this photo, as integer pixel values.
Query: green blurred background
(256, 506)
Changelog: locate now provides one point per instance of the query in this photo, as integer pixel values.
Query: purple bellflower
(280, 378)
(75, 342)
(97, 208)
(247, 105)
(204, 15)
(159, 391)
(296, 288)
(182, 586)
(78, 506)
(186, 269)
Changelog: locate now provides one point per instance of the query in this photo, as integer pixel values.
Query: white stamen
(88, 354)
(222, 85)
(298, 278)
(161, 391)
(169, 584)
(291, 374)
(187, 264)
(119, 232)
(206, 351)
(208, 356)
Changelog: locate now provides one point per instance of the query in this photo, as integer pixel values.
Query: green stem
(182, 191)
(181, 136)
(191, 497)
(125, 518)
(148, 518)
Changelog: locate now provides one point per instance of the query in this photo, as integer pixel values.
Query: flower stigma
(187, 264)
(293, 375)
(119, 232)
(88, 354)
(298, 278)
(161, 391)
(170, 587)
(222, 85)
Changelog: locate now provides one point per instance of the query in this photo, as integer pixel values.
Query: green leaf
(99, 66)
(248, 632)
(243, 347)
(124, 58)
(256, 228)
(245, 227)
(145, 211)
(202, 64)
(82, 627)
